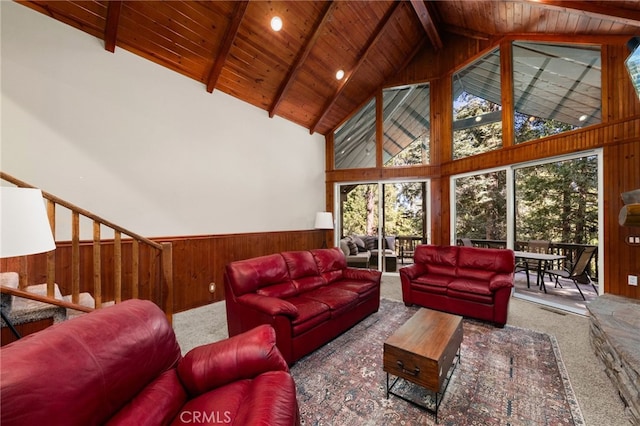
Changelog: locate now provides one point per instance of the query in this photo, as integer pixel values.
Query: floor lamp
(324, 220)
(24, 227)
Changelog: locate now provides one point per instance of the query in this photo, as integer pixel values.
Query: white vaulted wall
(143, 146)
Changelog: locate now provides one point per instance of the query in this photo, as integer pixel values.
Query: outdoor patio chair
(578, 272)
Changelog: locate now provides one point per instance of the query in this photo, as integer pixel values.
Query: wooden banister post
(166, 293)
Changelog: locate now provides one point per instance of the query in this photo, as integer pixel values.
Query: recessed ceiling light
(478, 119)
(276, 23)
(582, 117)
(339, 75)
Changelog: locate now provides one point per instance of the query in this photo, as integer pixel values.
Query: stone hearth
(615, 337)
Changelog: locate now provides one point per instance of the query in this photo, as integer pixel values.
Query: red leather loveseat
(122, 365)
(309, 297)
(468, 281)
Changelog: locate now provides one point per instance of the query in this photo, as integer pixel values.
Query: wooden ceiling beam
(428, 23)
(111, 26)
(592, 9)
(377, 34)
(230, 36)
(302, 57)
(465, 32)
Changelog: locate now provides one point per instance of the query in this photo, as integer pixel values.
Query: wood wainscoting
(198, 261)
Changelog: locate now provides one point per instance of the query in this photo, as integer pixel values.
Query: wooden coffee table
(425, 351)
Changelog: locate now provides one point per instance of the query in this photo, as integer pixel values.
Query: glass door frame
(510, 179)
(380, 211)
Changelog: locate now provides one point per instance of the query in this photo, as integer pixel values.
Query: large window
(355, 140)
(481, 207)
(558, 201)
(554, 200)
(556, 88)
(477, 116)
(406, 125)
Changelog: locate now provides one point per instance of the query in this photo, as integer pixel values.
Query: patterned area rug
(508, 376)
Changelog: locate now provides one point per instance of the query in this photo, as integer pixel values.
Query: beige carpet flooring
(598, 398)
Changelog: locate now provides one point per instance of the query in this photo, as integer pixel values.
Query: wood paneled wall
(618, 135)
(198, 261)
(621, 174)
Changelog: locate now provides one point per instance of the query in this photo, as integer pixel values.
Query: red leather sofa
(122, 365)
(309, 297)
(468, 281)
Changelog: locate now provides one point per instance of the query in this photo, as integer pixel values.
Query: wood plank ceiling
(229, 45)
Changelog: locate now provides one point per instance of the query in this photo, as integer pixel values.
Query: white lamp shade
(24, 225)
(324, 220)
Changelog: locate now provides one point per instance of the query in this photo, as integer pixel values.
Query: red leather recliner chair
(123, 365)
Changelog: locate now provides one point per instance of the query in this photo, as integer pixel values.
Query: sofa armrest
(240, 357)
(270, 305)
(499, 281)
(413, 271)
(362, 274)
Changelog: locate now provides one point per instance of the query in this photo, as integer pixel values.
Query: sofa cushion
(475, 274)
(428, 288)
(269, 399)
(220, 406)
(434, 280)
(300, 264)
(360, 287)
(303, 270)
(249, 275)
(495, 260)
(473, 297)
(331, 262)
(471, 286)
(339, 300)
(272, 397)
(436, 255)
(311, 313)
(309, 283)
(157, 404)
(282, 290)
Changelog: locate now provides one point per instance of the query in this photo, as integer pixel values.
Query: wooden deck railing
(571, 252)
(125, 252)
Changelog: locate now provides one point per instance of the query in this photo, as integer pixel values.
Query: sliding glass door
(388, 217)
(556, 201)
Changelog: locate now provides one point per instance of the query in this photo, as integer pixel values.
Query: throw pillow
(353, 248)
(361, 245)
(390, 243)
(371, 242)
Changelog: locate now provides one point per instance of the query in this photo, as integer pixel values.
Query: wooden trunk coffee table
(425, 351)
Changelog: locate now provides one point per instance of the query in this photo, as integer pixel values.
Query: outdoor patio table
(541, 258)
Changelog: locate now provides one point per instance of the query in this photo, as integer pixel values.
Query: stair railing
(160, 279)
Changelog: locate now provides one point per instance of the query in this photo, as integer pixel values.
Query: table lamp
(24, 227)
(324, 220)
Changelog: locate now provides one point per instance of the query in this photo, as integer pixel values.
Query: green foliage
(558, 202)
(477, 139)
(529, 127)
(417, 152)
(481, 206)
(403, 209)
